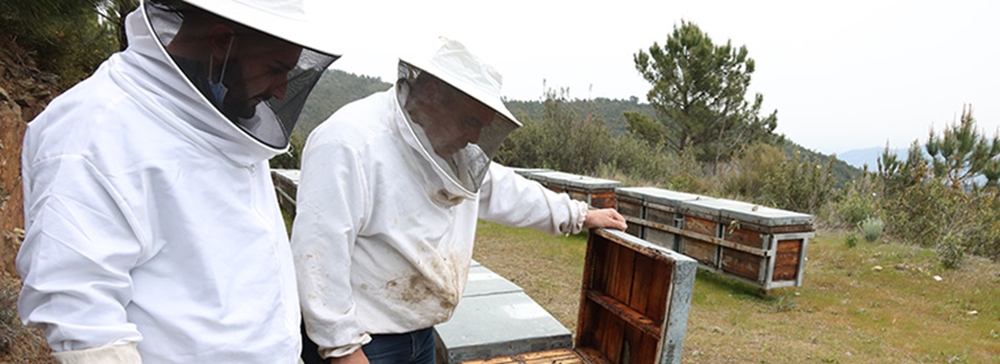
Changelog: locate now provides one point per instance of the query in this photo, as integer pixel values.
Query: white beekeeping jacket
(151, 222)
(376, 248)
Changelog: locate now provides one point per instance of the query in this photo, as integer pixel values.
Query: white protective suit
(376, 251)
(152, 224)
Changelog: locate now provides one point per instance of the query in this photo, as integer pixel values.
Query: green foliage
(871, 228)
(638, 161)
(851, 239)
(561, 140)
(610, 110)
(860, 201)
(936, 202)
(765, 175)
(699, 94)
(951, 253)
(68, 35)
(961, 154)
(802, 184)
(642, 127)
(750, 174)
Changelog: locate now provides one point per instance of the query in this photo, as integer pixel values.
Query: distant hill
(859, 157)
(842, 171)
(338, 88)
(608, 110)
(335, 89)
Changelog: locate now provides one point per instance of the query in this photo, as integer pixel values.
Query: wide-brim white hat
(285, 19)
(452, 63)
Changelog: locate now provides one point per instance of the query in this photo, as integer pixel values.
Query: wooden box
(286, 185)
(633, 307)
(597, 192)
(630, 203)
(663, 209)
(756, 244)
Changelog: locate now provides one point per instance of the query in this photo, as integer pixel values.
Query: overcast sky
(843, 75)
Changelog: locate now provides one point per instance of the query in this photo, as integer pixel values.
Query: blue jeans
(415, 347)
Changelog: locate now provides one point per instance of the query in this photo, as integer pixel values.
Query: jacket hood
(147, 71)
(443, 187)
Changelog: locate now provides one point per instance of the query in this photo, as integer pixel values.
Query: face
(257, 71)
(452, 126)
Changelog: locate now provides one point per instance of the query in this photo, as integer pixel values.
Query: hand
(604, 218)
(357, 357)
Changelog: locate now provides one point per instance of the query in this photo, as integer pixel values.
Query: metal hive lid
(526, 172)
(749, 212)
(672, 198)
(289, 174)
(568, 179)
(635, 192)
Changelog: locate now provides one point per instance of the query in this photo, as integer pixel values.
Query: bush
(562, 140)
(871, 228)
(859, 202)
(766, 176)
(851, 239)
(951, 252)
(749, 174)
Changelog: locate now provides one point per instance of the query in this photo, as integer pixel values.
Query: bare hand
(357, 357)
(604, 218)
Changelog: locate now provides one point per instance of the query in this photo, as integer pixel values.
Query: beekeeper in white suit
(391, 188)
(152, 230)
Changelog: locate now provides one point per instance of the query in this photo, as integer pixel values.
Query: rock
(937, 278)
(877, 268)
(902, 267)
(973, 312)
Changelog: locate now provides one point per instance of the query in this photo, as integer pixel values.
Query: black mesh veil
(266, 105)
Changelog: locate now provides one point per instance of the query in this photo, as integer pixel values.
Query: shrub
(871, 228)
(950, 251)
(851, 239)
(562, 139)
(748, 175)
(859, 202)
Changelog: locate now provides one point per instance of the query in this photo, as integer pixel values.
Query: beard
(236, 104)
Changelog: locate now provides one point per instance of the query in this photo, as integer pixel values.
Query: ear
(432, 91)
(219, 38)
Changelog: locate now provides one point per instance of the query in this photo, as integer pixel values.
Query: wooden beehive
(663, 209)
(631, 205)
(633, 307)
(756, 244)
(286, 185)
(597, 192)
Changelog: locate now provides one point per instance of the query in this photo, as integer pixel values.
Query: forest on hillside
(337, 88)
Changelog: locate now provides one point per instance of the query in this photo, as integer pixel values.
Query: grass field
(874, 303)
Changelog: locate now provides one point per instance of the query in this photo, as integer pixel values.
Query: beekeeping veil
(258, 70)
(451, 62)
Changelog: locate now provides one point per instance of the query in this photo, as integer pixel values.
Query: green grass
(845, 312)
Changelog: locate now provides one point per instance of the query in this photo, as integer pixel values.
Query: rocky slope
(24, 92)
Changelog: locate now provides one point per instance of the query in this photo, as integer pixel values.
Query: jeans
(415, 347)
